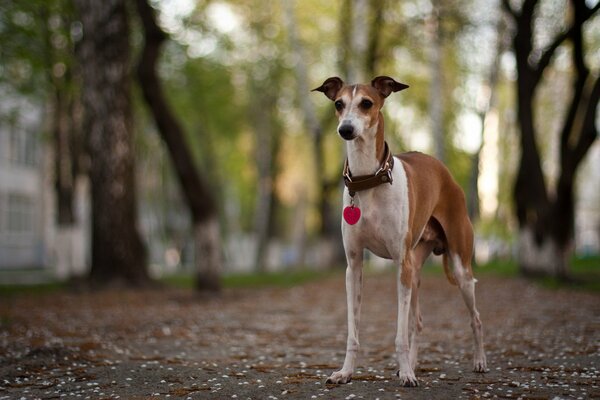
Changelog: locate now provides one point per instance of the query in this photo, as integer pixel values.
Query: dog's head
(357, 106)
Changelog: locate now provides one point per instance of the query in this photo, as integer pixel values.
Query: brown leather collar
(364, 182)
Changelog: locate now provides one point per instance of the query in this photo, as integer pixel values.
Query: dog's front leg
(405, 282)
(353, 300)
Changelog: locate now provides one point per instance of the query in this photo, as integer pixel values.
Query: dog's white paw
(407, 379)
(340, 377)
(480, 364)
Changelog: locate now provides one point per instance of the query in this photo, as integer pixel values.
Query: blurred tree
(37, 37)
(118, 253)
(546, 217)
(486, 105)
(24, 51)
(267, 143)
(375, 50)
(57, 18)
(198, 196)
(435, 30)
(264, 76)
(328, 230)
(65, 106)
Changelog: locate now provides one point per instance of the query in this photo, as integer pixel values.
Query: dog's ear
(330, 87)
(386, 85)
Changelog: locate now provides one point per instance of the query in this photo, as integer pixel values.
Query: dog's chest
(383, 224)
(382, 229)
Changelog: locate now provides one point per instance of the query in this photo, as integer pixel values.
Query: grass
(585, 275)
(256, 280)
(31, 289)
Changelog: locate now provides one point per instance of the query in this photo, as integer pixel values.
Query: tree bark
(359, 39)
(65, 129)
(546, 220)
(488, 103)
(199, 198)
(68, 175)
(261, 110)
(329, 227)
(373, 56)
(118, 254)
(436, 89)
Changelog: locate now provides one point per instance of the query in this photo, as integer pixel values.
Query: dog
(401, 208)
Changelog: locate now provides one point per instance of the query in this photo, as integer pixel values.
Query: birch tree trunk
(263, 128)
(488, 102)
(329, 229)
(377, 9)
(359, 39)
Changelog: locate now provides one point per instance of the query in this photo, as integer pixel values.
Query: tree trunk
(66, 140)
(263, 128)
(376, 28)
(67, 171)
(118, 254)
(64, 168)
(546, 220)
(207, 253)
(354, 40)
(436, 89)
(198, 196)
(359, 39)
(329, 228)
(344, 48)
(486, 104)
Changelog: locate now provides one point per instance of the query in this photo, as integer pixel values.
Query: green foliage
(222, 79)
(36, 37)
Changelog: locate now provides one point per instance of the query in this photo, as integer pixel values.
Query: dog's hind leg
(353, 299)
(466, 283)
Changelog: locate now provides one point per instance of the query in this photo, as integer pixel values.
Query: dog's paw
(340, 377)
(407, 379)
(480, 365)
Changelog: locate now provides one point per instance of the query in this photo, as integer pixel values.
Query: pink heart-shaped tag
(351, 215)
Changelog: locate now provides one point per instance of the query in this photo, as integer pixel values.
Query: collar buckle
(383, 175)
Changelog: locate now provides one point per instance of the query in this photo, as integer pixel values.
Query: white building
(24, 213)
(32, 247)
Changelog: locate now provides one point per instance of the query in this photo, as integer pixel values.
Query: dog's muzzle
(346, 131)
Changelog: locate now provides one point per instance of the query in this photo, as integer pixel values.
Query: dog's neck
(366, 153)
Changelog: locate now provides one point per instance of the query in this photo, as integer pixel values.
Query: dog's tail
(447, 270)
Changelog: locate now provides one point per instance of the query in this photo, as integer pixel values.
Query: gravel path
(283, 343)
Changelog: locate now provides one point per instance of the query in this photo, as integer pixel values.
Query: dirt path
(283, 343)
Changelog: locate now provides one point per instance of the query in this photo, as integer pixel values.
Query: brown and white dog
(403, 214)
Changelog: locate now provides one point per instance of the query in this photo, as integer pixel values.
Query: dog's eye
(339, 105)
(366, 104)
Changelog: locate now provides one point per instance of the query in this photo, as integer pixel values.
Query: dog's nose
(346, 131)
